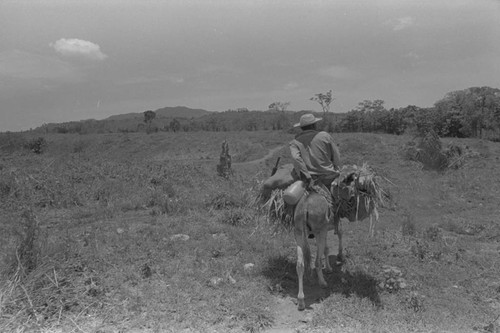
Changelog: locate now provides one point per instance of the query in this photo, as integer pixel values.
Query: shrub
(408, 227)
(433, 233)
(223, 201)
(236, 217)
(415, 301)
(160, 200)
(163, 185)
(36, 145)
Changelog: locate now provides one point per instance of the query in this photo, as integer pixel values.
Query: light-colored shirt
(315, 153)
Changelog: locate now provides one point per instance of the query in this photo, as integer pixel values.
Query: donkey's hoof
(301, 304)
(340, 259)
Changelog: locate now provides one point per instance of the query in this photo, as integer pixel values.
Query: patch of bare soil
(287, 317)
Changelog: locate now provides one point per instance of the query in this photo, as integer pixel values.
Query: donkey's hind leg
(322, 249)
(301, 262)
(328, 267)
(337, 224)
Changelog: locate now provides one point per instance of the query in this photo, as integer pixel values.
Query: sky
(65, 60)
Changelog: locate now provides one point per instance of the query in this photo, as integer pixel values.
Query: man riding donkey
(316, 160)
(315, 155)
(316, 164)
(319, 196)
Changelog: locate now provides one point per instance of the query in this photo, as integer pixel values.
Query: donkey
(312, 216)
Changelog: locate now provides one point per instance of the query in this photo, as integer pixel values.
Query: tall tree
(324, 100)
(474, 107)
(373, 113)
(148, 118)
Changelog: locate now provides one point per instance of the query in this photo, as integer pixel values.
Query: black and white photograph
(274, 166)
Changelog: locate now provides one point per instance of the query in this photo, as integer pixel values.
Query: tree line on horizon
(472, 112)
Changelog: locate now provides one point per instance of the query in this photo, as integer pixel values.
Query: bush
(36, 145)
(224, 201)
(236, 217)
(408, 227)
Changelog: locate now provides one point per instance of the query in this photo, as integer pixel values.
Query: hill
(127, 122)
(166, 112)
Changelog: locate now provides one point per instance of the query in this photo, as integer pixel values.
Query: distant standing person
(315, 154)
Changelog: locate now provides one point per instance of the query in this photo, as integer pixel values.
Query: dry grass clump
(457, 155)
(49, 294)
(39, 289)
(429, 151)
(36, 145)
(234, 202)
(29, 243)
(224, 200)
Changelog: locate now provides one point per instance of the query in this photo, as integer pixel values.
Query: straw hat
(307, 119)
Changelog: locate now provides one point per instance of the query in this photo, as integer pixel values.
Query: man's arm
(334, 151)
(298, 161)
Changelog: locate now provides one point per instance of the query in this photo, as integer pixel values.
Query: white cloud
(157, 79)
(413, 58)
(402, 23)
(73, 47)
(339, 72)
(291, 85)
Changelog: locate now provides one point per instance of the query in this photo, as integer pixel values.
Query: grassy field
(137, 233)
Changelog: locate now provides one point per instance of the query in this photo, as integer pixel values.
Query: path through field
(261, 160)
(287, 318)
(258, 165)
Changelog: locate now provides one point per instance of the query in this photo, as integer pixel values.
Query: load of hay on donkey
(355, 194)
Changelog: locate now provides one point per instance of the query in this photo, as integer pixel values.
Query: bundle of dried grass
(457, 155)
(278, 211)
(357, 193)
(430, 152)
